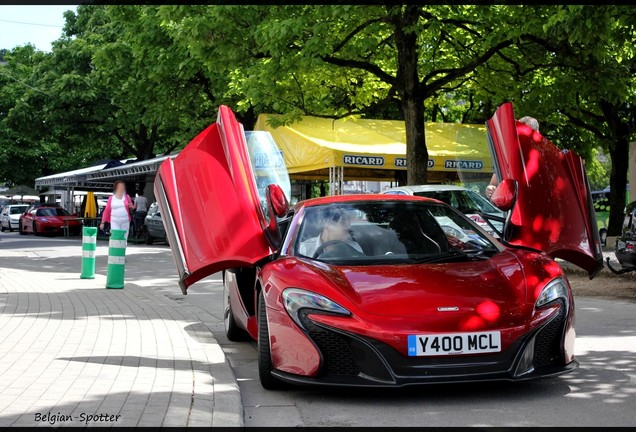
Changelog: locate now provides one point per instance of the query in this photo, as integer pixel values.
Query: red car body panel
(553, 211)
(209, 194)
(214, 222)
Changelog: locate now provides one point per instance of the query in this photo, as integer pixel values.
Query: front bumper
(351, 360)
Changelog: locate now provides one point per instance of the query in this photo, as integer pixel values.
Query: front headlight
(296, 299)
(555, 289)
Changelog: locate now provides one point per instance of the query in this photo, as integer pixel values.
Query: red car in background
(47, 220)
(381, 290)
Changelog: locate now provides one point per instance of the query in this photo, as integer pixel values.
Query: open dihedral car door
(211, 203)
(553, 209)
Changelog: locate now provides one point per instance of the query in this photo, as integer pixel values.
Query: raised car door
(212, 197)
(553, 210)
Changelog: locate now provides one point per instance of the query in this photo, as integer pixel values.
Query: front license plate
(454, 343)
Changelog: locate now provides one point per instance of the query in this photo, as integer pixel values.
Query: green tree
(348, 60)
(27, 148)
(577, 77)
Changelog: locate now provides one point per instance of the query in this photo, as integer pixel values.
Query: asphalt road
(601, 392)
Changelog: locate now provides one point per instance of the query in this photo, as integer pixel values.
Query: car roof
(427, 188)
(361, 198)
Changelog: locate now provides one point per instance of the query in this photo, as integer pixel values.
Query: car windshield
(52, 212)
(465, 201)
(379, 232)
(17, 209)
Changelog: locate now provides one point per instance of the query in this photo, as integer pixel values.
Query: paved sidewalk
(72, 348)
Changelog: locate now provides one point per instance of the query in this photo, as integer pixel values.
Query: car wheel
(603, 237)
(232, 330)
(2, 229)
(20, 229)
(35, 228)
(264, 354)
(148, 239)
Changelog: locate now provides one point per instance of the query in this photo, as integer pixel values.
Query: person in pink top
(118, 208)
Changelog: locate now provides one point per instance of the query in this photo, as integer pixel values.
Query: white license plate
(454, 343)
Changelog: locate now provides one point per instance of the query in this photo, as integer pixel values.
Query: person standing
(141, 206)
(141, 202)
(118, 208)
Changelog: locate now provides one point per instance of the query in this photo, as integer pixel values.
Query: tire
(149, 239)
(603, 236)
(20, 229)
(264, 354)
(233, 332)
(35, 228)
(2, 228)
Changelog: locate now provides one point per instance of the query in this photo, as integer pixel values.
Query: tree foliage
(135, 81)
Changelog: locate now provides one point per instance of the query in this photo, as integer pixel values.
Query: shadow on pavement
(136, 361)
(599, 380)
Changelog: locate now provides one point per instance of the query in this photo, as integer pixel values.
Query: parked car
(600, 198)
(154, 225)
(10, 216)
(626, 243)
(43, 219)
(463, 199)
(369, 290)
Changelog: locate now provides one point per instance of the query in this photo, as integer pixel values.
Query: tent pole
(331, 181)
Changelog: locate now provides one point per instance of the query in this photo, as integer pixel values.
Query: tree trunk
(619, 153)
(416, 151)
(411, 93)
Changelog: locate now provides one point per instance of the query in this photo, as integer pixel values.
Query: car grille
(336, 352)
(547, 348)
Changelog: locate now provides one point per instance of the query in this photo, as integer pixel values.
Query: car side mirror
(505, 195)
(277, 201)
(277, 207)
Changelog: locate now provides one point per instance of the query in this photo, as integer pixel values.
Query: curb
(228, 405)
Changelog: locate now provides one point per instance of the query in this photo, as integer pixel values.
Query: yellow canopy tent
(373, 149)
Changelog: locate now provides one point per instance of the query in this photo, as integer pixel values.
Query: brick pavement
(70, 347)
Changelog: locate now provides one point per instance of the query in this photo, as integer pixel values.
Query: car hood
(489, 289)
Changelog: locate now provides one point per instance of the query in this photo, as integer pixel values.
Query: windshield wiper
(458, 254)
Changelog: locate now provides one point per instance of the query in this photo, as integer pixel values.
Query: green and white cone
(116, 259)
(89, 245)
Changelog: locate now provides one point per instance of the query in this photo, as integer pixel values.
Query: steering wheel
(321, 249)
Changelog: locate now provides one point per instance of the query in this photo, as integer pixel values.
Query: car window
(482, 203)
(17, 209)
(465, 201)
(268, 165)
(375, 232)
(52, 212)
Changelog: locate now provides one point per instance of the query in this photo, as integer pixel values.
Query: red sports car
(379, 290)
(47, 220)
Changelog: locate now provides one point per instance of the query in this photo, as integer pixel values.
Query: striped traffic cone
(116, 259)
(89, 244)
